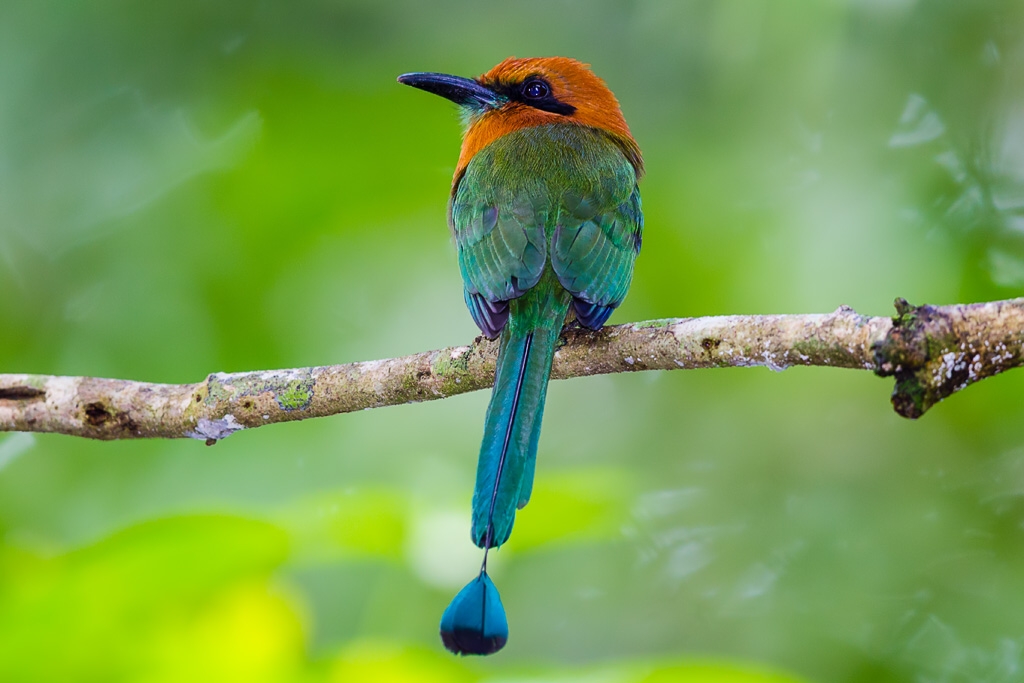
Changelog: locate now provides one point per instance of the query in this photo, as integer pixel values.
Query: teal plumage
(480, 605)
(547, 220)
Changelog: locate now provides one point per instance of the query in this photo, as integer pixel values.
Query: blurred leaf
(583, 504)
(391, 663)
(120, 605)
(348, 523)
(716, 673)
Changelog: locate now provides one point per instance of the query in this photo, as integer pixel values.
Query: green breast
(535, 167)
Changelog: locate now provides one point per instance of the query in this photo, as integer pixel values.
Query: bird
(547, 221)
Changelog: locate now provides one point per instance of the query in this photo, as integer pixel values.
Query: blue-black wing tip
(489, 316)
(591, 316)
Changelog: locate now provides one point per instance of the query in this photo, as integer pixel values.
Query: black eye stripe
(535, 92)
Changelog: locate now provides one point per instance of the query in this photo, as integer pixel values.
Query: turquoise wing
(501, 245)
(596, 241)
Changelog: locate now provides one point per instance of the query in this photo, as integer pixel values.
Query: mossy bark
(932, 351)
(935, 351)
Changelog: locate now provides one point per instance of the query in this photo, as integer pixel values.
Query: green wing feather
(596, 242)
(502, 247)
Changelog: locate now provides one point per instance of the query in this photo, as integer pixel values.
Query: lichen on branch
(932, 351)
(935, 351)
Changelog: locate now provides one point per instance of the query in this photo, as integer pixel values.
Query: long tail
(504, 475)
(474, 622)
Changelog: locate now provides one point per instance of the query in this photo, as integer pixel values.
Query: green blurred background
(222, 186)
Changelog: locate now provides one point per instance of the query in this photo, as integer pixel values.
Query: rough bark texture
(935, 351)
(932, 352)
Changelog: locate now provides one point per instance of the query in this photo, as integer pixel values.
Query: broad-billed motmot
(546, 215)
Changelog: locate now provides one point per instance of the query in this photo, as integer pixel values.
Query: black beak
(462, 91)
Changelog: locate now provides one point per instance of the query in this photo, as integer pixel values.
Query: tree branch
(932, 352)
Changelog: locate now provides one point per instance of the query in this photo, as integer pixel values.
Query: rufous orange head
(536, 91)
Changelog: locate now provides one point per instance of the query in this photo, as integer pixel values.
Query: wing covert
(593, 250)
(501, 245)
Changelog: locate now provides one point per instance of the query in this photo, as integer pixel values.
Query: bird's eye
(535, 90)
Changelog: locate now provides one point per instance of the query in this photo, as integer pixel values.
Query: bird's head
(520, 93)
